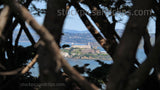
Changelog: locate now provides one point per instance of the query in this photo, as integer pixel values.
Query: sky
(73, 21)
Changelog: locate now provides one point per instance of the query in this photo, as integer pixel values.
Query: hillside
(74, 37)
(78, 38)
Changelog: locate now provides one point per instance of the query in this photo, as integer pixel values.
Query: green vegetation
(65, 50)
(83, 53)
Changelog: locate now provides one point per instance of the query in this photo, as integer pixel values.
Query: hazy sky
(73, 22)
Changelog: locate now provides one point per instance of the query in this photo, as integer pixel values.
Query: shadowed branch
(51, 45)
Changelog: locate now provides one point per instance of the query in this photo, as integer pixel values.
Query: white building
(64, 54)
(82, 46)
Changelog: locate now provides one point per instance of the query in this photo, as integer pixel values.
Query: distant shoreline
(88, 59)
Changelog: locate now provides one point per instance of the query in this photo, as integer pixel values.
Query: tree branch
(126, 50)
(3, 19)
(147, 43)
(13, 72)
(103, 42)
(27, 32)
(138, 77)
(50, 44)
(18, 37)
(30, 65)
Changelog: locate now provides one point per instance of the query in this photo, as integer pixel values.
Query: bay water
(93, 64)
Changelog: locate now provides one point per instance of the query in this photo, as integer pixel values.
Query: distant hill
(85, 37)
(23, 37)
(75, 31)
(76, 37)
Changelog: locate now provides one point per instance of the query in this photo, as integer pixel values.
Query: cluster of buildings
(84, 49)
(82, 46)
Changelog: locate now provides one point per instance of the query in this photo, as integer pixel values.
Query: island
(84, 52)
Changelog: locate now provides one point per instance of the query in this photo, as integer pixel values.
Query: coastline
(88, 59)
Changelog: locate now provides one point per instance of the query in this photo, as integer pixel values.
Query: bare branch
(53, 23)
(27, 32)
(102, 22)
(50, 44)
(3, 19)
(13, 72)
(147, 43)
(77, 77)
(14, 24)
(103, 42)
(18, 37)
(2, 66)
(138, 77)
(27, 68)
(54, 20)
(126, 50)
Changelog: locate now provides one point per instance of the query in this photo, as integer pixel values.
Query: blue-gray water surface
(93, 64)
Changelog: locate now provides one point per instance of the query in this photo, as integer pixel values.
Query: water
(73, 62)
(93, 64)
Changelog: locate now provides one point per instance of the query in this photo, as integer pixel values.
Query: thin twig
(29, 66)
(13, 72)
(27, 32)
(23, 71)
(18, 37)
